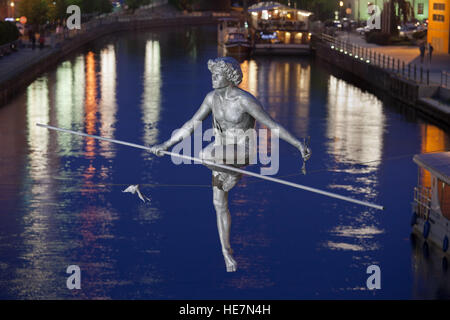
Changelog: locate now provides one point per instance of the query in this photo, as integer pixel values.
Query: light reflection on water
(69, 207)
(151, 99)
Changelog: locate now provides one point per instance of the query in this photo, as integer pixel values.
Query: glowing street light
(341, 3)
(12, 5)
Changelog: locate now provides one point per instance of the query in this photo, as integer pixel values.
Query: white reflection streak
(151, 103)
(79, 83)
(366, 232)
(253, 78)
(36, 222)
(303, 78)
(355, 127)
(344, 246)
(64, 103)
(108, 103)
(38, 139)
(355, 123)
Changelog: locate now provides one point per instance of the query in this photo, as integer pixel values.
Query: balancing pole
(222, 166)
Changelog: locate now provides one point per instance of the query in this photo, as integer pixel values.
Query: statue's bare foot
(230, 262)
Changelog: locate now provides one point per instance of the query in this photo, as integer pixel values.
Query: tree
(404, 13)
(184, 4)
(36, 11)
(57, 10)
(8, 32)
(322, 9)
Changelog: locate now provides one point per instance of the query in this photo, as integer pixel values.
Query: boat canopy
(272, 5)
(437, 164)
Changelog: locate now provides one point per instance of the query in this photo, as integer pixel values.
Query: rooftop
(437, 163)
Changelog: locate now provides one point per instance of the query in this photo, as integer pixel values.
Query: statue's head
(225, 71)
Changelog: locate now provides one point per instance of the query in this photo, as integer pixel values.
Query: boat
(279, 29)
(431, 206)
(233, 38)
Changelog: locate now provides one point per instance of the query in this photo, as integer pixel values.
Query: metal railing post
(421, 74)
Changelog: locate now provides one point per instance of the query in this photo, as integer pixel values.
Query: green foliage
(8, 32)
(322, 9)
(38, 12)
(95, 6)
(184, 4)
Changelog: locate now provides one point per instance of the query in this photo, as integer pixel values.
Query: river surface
(61, 199)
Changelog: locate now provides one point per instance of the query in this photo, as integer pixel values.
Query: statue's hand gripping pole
(222, 166)
(307, 153)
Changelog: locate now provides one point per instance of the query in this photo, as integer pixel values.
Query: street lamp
(12, 5)
(341, 4)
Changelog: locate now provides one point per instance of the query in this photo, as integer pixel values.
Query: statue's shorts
(232, 155)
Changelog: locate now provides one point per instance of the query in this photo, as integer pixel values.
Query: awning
(436, 163)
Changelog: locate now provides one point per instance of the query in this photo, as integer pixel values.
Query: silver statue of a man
(234, 111)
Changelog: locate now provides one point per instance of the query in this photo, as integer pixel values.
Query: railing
(444, 79)
(398, 67)
(422, 197)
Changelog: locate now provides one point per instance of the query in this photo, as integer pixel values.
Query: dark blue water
(61, 199)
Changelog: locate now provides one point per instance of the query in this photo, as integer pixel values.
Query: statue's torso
(230, 117)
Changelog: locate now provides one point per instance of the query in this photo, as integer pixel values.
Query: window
(420, 8)
(439, 6)
(438, 17)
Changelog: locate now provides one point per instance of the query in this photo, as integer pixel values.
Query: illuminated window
(438, 17)
(420, 8)
(439, 6)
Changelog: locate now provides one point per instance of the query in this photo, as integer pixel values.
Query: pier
(412, 85)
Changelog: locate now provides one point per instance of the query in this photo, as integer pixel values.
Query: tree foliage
(401, 12)
(8, 32)
(184, 4)
(38, 12)
(322, 9)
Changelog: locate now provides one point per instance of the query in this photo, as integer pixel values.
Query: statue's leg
(220, 199)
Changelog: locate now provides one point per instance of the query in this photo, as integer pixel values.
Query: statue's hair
(229, 67)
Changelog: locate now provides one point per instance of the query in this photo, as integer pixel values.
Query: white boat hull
(439, 228)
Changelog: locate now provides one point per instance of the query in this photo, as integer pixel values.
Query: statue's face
(219, 80)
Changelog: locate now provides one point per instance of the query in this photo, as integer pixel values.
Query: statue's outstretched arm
(189, 127)
(254, 108)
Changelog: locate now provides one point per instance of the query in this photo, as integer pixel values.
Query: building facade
(8, 9)
(439, 25)
(359, 8)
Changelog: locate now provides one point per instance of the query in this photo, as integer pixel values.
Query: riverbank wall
(28, 70)
(410, 86)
